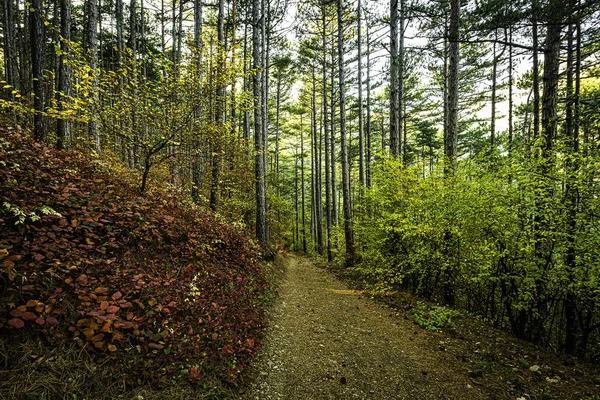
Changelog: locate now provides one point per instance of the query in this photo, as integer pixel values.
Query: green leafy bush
(493, 240)
(434, 318)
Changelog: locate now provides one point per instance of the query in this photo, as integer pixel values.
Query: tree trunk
(394, 74)
(510, 90)
(10, 58)
(259, 142)
(368, 132)
(197, 168)
(536, 84)
(328, 216)
(133, 141)
(348, 229)
(493, 100)
(36, 26)
(304, 246)
(334, 195)
(180, 31)
(296, 227)
(63, 127)
(401, 123)
(92, 45)
(571, 190)
(220, 110)
(451, 137)
(361, 131)
(174, 32)
(246, 122)
(23, 27)
(198, 31)
(119, 28)
(265, 31)
(277, 115)
(317, 170)
(551, 69)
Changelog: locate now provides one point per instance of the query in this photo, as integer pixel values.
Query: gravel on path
(326, 341)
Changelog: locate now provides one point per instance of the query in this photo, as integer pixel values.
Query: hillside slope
(156, 292)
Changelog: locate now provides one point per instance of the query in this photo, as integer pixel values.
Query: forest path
(326, 341)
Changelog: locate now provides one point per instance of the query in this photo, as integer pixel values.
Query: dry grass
(30, 369)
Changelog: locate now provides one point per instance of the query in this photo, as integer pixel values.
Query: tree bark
(37, 37)
(401, 122)
(536, 84)
(451, 137)
(493, 100)
(10, 58)
(259, 142)
(334, 191)
(510, 90)
(328, 162)
(394, 74)
(297, 224)
(317, 170)
(304, 244)
(63, 127)
(571, 190)
(551, 69)
(361, 131)
(246, 120)
(368, 132)
(348, 229)
(277, 127)
(92, 44)
(220, 110)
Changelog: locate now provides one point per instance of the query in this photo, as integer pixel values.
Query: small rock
(343, 380)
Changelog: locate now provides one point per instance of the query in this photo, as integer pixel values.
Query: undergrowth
(150, 287)
(434, 318)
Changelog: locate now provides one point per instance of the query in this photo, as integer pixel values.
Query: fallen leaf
(28, 316)
(98, 337)
(112, 309)
(16, 323)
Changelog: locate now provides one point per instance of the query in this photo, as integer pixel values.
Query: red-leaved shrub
(163, 288)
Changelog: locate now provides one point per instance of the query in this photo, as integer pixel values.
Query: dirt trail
(328, 342)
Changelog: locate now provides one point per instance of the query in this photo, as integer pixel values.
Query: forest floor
(328, 341)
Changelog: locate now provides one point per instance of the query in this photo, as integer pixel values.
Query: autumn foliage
(165, 290)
